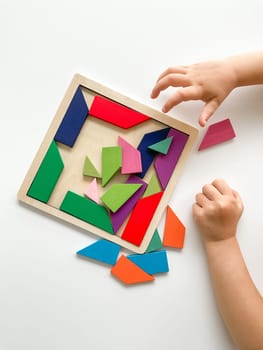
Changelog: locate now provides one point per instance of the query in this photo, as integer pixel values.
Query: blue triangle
(151, 263)
(104, 251)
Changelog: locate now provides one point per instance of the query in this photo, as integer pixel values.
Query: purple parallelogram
(166, 163)
(121, 215)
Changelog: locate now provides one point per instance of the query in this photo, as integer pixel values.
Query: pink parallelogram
(217, 133)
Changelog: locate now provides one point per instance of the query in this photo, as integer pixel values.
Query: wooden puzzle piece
(92, 191)
(86, 210)
(111, 162)
(89, 169)
(166, 163)
(73, 120)
(140, 218)
(131, 158)
(155, 243)
(129, 273)
(103, 250)
(121, 215)
(47, 175)
(153, 186)
(116, 113)
(174, 230)
(148, 155)
(162, 146)
(152, 263)
(217, 133)
(118, 194)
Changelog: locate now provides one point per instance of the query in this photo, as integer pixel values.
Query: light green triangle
(162, 146)
(89, 169)
(153, 186)
(155, 243)
(118, 194)
(111, 162)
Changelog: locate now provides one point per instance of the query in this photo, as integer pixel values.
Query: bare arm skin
(210, 81)
(217, 211)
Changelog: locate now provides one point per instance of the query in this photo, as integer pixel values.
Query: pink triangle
(92, 191)
(131, 158)
(216, 133)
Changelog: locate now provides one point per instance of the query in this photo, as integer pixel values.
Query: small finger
(222, 186)
(211, 192)
(172, 70)
(183, 94)
(174, 80)
(208, 110)
(201, 200)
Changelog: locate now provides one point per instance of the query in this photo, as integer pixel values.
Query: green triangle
(153, 186)
(89, 169)
(111, 162)
(155, 243)
(118, 194)
(162, 146)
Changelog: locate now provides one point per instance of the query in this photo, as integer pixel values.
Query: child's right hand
(210, 82)
(217, 211)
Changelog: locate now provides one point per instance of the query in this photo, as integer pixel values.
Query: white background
(49, 298)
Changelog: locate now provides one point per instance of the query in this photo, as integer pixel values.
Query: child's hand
(217, 211)
(210, 82)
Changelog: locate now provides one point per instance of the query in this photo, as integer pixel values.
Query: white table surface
(49, 298)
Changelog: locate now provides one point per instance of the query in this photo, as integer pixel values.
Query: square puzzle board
(90, 121)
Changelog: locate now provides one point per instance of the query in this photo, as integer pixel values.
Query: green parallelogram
(47, 175)
(87, 210)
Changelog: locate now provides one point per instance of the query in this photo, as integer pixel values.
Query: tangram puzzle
(108, 165)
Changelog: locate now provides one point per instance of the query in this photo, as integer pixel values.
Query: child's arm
(217, 211)
(210, 81)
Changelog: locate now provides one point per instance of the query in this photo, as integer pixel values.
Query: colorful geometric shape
(174, 230)
(131, 158)
(121, 215)
(129, 273)
(116, 113)
(73, 120)
(92, 191)
(217, 133)
(104, 251)
(148, 155)
(86, 210)
(111, 162)
(162, 146)
(140, 218)
(89, 169)
(118, 194)
(165, 164)
(153, 186)
(155, 243)
(152, 263)
(47, 175)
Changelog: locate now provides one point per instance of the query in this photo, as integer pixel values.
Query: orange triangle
(174, 231)
(129, 273)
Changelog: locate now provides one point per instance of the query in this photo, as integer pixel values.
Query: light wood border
(79, 80)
